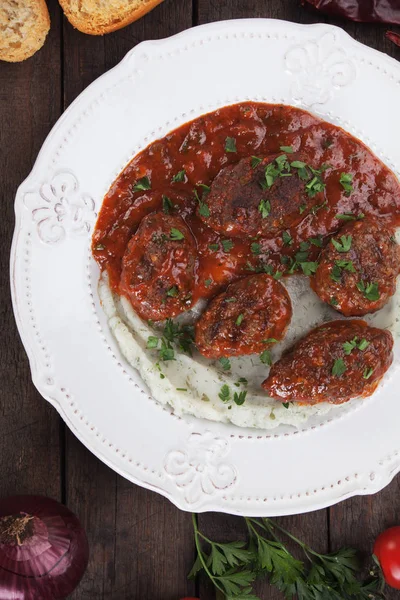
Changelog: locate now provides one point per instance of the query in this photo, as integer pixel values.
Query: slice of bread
(24, 25)
(103, 16)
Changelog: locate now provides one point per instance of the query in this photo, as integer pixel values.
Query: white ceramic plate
(76, 365)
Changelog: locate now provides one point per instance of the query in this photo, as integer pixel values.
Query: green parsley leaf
(176, 235)
(255, 248)
(304, 246)
(208, 282)
(173, 292)
(225, 393)
(230, 300)
(339, 367)
(204, 211)
(270, 341)
(286, 404)
(287, 238)
(368, 372)
(213, 247)
(345, 243)
(225, 363)
(363, 345)
(166, 352)
(264, 208)
(370, 290)
(349, 216)
(348, 347)
(239, 319)
(255, 161)
(230, 144)
(180, 176)
(206, 188)
(99, 247)
(315, 186)
(239, 398)
(181, 389)
(142, 185)
(298, 164)
(309, 268)
(287, 149)
(317, 241)
(227, 245)
(152, 342)
(302, 208)
(346, 180)
(277, 275)
(336, 273)
(333, 301)
(347, 265)
(167, 205)
(266, 358)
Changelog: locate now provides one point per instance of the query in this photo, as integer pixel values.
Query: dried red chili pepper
(385, 11)
(393, 37)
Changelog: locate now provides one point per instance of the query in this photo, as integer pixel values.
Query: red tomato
(387, 551)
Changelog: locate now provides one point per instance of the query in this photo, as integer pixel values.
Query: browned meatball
(158, 267)
(335, 362)
(358, 268)
(244, 201)
(242, 319)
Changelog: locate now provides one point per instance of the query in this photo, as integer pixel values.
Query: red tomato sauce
(199, 148)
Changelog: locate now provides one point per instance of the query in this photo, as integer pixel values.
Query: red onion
(43, 549)
(393, 37)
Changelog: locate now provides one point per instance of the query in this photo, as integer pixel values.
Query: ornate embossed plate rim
(211, 460)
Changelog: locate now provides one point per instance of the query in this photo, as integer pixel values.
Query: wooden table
(141, 546)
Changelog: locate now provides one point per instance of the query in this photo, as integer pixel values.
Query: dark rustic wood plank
(141, 545)
(29, 427)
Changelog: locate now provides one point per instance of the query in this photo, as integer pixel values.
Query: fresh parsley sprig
(172, 335)
(233, 567)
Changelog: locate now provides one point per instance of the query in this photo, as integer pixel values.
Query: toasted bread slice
(24, 25)
(103, 16)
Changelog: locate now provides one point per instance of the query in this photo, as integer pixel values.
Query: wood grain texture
(29, 427)
(141, 545)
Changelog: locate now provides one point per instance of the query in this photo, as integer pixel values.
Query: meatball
(245, 319)
(158, 267)
(358, 268)
(335, 362)
(244, 202)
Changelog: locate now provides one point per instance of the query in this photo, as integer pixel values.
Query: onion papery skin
(48, 560)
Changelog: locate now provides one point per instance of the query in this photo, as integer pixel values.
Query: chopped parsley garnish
(315, 186)
(239, 319)
(349, 216)
(152, 342)
(348, 347)
(287, 238)
(167, 205)
(344, 245)
(225, 393)
(286, 404)
(309, 268)
(368, 372)
(239, 398)
(142, 185)
(225, 363)
(255, 248)
(327, 143)
(333, 301)
(173, 292)
(255, 161)
(270, 341)
(176, 235)
(277, 275)
(230, 299)
(339, 367)
(241, 380)
(369, 290)
(206, 188)
(181, 389)
(302, 208)
(317, 241)
(336, 273)
(204, 211)
(230, 144)
(213, 247)
(166, 352)
(287, 149)
(264, 208)
(227, 245)
(347, 265)
(317, 207)
(266, 358)
(346, 180)
(99, 247)
(180, 176)
(304, 246)
(208, 282)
